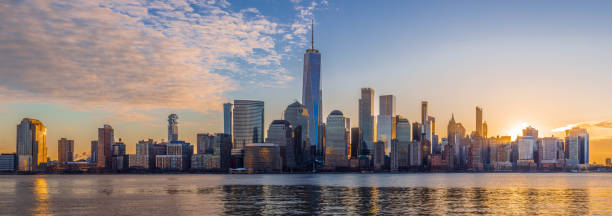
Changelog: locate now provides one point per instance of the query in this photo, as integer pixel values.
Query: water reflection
(298, 199)
(196, 195)
(41, 196)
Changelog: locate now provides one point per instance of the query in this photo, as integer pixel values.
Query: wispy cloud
(298, 34)
(177, 54)
(605, 124)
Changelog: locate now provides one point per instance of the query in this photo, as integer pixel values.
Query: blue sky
(76, 65)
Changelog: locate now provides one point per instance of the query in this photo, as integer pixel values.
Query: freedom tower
(311, 94)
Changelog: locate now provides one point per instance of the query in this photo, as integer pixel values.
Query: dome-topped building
(336, 112)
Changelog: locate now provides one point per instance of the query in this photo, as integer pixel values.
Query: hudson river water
(389, 194)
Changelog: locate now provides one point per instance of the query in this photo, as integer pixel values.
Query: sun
(516, 130)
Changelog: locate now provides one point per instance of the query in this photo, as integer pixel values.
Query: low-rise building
(146, 152)
(205, 162)
(8, 162)
(177, 157)
(262, 157)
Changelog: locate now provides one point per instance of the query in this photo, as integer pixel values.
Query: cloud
(130, 116)
(605, 124)
(177, 54)
(300, 28)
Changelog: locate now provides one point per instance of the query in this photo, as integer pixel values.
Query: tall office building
(386, 125)
(525, 148)
(65, 150)
(426, 132)
(577, 146)
(416, 131)
(485, 129)
(119, 161)
(222, 147)
(479, 128)
(172, 128)
(93, 157)
(432, 121)
(204, 143)
(378, 155)
(548, 150)
(106, 138)
(280, 132)
(248, 127)
(311, 92)
(356, 140)
(31, 145)
(477, 146)
(227, 118)
(530, 131)
(400, 147)
(367, 120)
(297, 115)
(336, 140)
(424, 113)
(457, 141)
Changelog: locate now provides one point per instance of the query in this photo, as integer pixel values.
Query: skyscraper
(525, 147)
(222, 147)
(106, 137)
(281, 133)
(297, 115)
(119, 161)
(65, 150)
(356, 139)
(577, 146)
(530, 131)
(400, 149)
(386, 125)
(479, 121)
(424, 113)
(172, 128)
(93, 157)
(204, 143)
(311, 92)
(248, 126)
(367, 120)
(227, 118)
(336, 140)
(31, 145)
(485, 129)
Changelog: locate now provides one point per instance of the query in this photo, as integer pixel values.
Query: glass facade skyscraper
(31, 145)
(367, 120)
(312, 95)
(386, 126)
(227, 118)
(248, 123)
(297, 115)
(336, 140)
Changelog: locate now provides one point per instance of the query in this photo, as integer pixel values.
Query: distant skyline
(78, 65)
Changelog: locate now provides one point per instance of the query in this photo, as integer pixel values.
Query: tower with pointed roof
(312, 94)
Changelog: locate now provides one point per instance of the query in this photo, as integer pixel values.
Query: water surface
(191, 194)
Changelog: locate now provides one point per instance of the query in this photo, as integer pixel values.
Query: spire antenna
(312, 35)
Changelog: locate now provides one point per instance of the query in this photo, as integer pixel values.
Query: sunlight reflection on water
(495, 194)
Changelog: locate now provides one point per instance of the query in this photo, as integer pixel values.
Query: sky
(76, 65)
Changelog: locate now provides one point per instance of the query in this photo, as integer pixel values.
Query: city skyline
(535, 93)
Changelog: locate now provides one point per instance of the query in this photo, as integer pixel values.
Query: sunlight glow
(516, 130)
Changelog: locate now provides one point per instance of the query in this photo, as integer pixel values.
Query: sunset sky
(76, 65)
